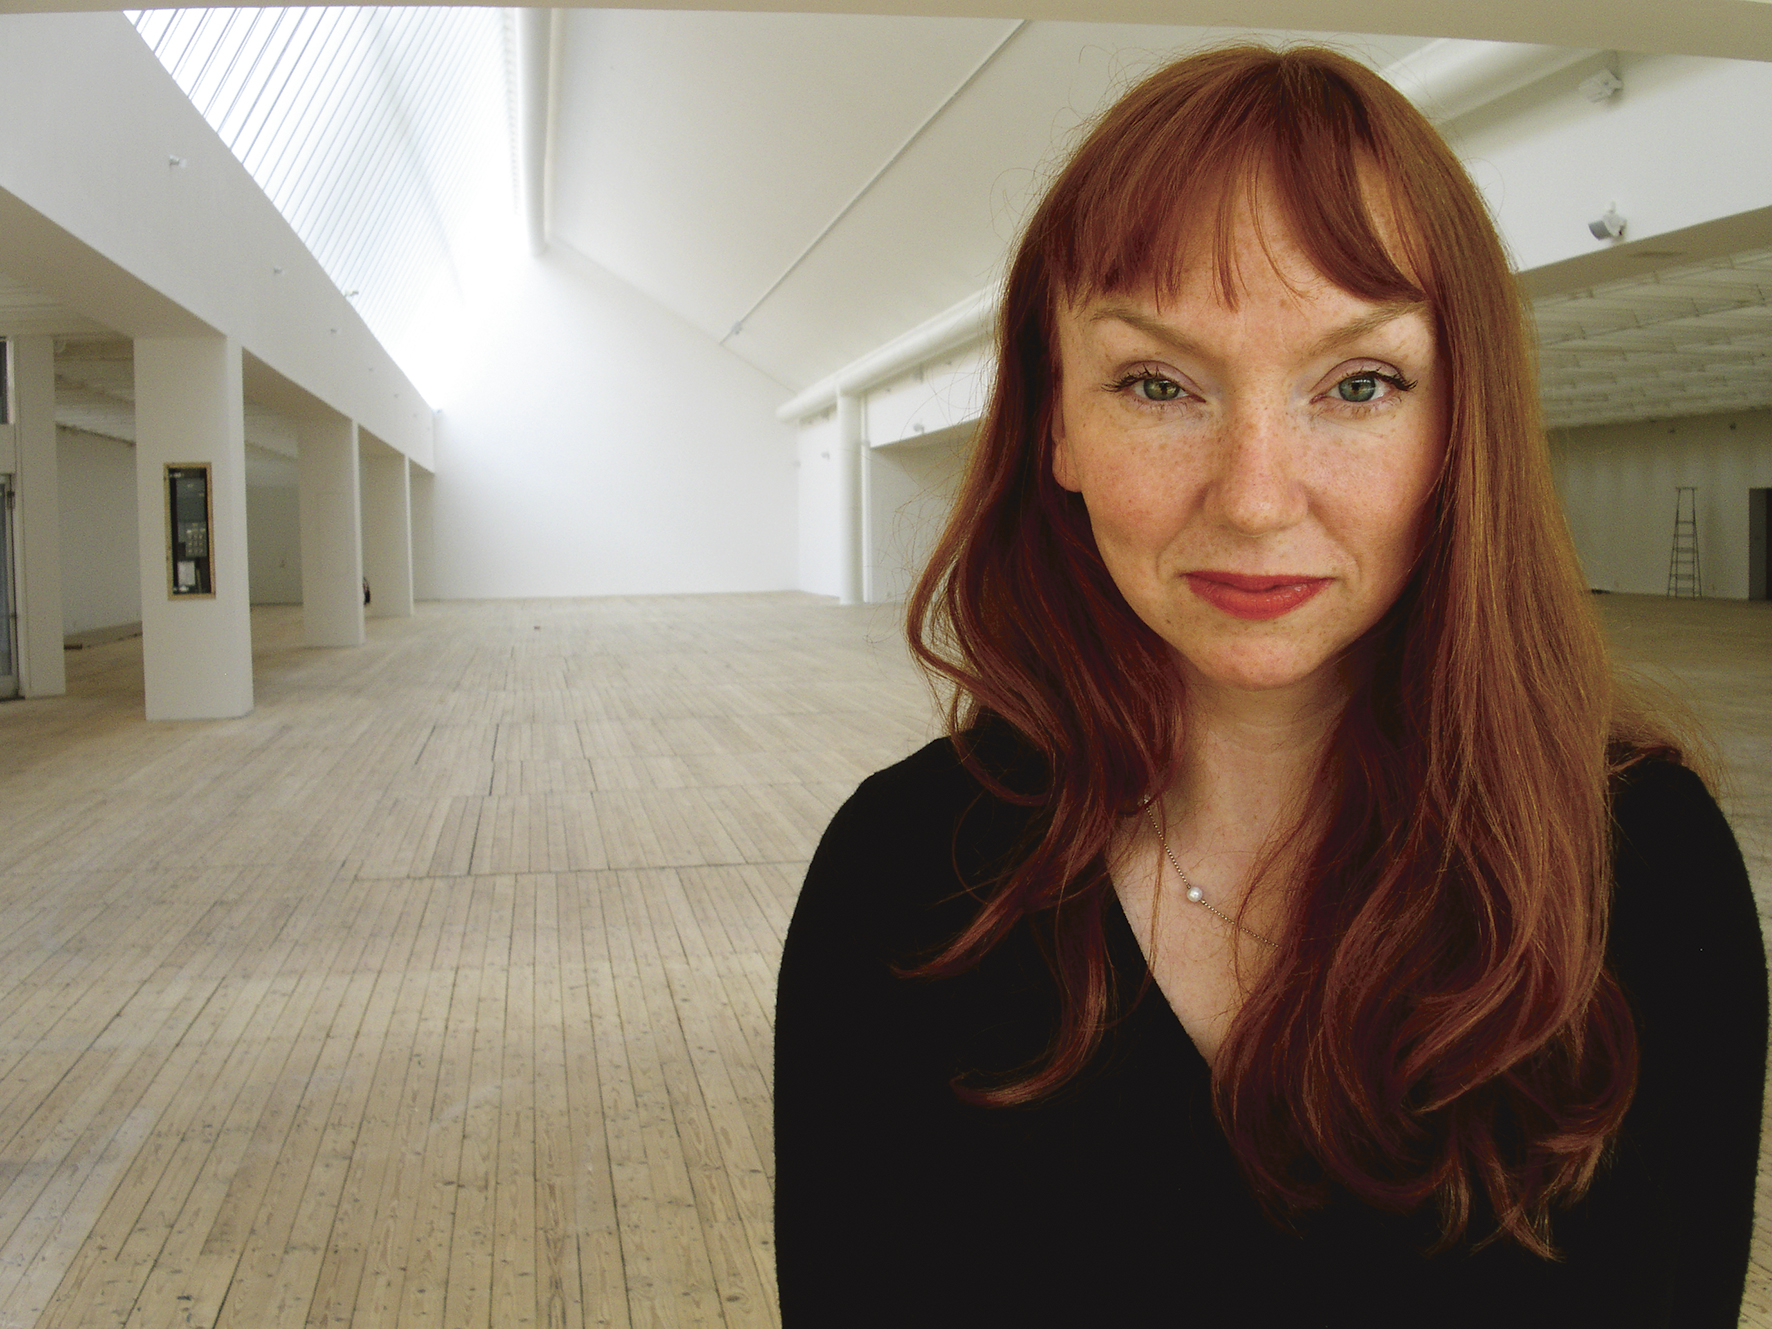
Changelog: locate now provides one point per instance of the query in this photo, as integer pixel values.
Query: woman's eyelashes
(1148, 386)
(1365, 388)
(1370, 387)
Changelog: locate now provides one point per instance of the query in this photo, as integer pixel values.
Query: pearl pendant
(1196, 895)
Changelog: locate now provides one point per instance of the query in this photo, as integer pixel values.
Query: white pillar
(37, 515)
(387, 532)
(849, 498)
(421, 490)
(331, 533)
(189, 408)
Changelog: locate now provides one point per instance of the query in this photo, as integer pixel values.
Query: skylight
(383, 136)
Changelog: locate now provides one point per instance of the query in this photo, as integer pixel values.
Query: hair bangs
(1298, 156)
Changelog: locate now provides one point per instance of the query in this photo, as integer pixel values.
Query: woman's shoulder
(1673, 843)
(1685, 927)
(913, 837)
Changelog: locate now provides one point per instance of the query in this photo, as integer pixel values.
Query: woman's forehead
(1271, 327)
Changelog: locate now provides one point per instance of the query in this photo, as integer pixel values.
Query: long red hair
(1438, 1025)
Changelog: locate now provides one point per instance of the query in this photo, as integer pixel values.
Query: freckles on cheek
(1141, 481)
(1130, 502)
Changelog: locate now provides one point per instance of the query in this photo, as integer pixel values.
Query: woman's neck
(1248, 757)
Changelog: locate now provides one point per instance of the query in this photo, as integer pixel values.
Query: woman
(1297, 928)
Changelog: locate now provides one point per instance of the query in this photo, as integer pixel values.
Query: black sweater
(1118, 1202)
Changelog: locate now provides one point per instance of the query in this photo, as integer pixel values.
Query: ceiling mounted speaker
(1609, 227)
(1600, 87)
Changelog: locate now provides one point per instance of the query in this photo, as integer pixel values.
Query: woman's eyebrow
(1156, 330)
(1371, 321)
(1150, 327)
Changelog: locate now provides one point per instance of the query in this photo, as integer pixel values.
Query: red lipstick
(1243, 595)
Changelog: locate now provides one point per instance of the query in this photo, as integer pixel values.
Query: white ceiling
(699, 154)
(832, 180)
(703, 157)
(818, 177)
(1687, 340)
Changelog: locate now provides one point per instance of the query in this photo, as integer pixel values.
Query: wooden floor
(437, 990)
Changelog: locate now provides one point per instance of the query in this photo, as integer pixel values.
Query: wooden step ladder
(1683, 576)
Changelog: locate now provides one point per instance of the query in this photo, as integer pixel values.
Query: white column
(331, 533)
(849, 498)
(387, 532)
(38, 517)
(421, 489)
(189, 408)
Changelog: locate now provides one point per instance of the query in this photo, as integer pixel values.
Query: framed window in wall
(190, 566)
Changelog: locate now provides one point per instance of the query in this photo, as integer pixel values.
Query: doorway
(8, 596)
(1759, 548)
(8, 601)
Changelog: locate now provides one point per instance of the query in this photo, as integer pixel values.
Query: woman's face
(1255, 476)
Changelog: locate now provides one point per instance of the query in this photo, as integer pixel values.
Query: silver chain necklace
(1194, 893)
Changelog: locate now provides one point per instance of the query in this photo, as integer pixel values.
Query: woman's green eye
(1158, 389)
(1361, 387)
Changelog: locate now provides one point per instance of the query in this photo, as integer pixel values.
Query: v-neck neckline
(1129, 961)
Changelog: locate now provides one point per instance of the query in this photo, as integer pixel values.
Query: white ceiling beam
(535, 65)
(958, 326)
(1448, 78)
(1727, 29)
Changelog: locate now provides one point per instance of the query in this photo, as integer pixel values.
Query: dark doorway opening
(1759, 548)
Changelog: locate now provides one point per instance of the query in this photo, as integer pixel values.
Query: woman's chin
(1313, 675)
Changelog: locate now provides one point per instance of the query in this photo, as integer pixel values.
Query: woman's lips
(1242, 595)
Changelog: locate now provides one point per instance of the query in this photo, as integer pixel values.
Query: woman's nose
(1257, 489)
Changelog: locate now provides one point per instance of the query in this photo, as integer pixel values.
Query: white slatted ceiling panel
(25, 311)
(1687, 340)
(383, 136)
(95, 391)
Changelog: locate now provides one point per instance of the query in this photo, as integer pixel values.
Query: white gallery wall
(424, 535)
(597, 444)
(911, 488)
(816, 493)
(101, 583)
(1618, 485)
(273, 544)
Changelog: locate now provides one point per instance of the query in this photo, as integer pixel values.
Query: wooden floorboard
(438, 990)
